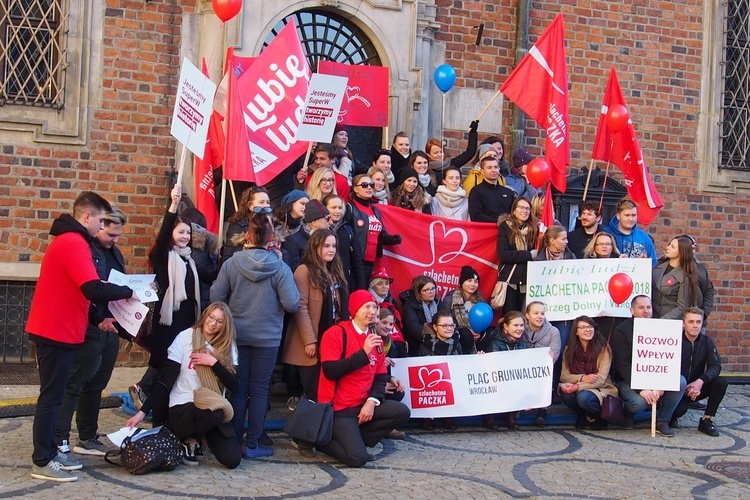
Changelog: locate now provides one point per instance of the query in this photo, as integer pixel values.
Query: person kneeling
(353, 376)
(200, 364)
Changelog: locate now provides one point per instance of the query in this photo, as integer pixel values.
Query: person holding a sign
(354, 376)
(369, 233)
(675, 281)
(179, 296)
(701, 366)
(325, 155)
(450, 200)
(622, 352)
(585, 374)
(516, 246)
(540, 333)
(508, 336)
(95, 358)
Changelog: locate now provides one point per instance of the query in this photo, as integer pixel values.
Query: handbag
(311, 421)
(612, 410)
(146, 451)
(500, 292)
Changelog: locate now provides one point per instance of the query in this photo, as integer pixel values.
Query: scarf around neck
(429, 310)
(448, 198)
(424, 179)
(380, 195)
(390, 177)
(553, 255)
(177, 272)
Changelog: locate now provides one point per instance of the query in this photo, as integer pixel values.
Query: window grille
(33, 48)
(15, 302)
(329, 37)
(735, 110)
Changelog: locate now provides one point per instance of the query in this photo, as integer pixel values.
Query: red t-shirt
(353, 388)
(375, 227)
(59, 311)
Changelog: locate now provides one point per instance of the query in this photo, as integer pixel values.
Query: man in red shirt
(67, 284)
(353, 376)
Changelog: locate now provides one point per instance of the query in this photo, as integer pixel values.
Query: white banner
(192, 108)
(571, 288)
(476, 384)
(322, 107)
(657, 353)
(139, 283)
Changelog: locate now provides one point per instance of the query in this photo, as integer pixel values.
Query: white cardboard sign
(322, 107)
(657, 353)
(192, 108)
(139, 283)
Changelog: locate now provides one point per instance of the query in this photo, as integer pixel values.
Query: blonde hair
(313, 188)
(226, 337)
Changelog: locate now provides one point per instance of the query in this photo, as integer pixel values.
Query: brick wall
(656, 47)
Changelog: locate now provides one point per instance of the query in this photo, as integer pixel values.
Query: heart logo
(429, 378)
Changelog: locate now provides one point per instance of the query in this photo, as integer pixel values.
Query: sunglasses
(265, 210)
(366, 185)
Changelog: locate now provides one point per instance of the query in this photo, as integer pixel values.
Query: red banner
(438, 248)
(623, 150)
(539, 86)
(366, 99)
(273, 100)
(205, 195)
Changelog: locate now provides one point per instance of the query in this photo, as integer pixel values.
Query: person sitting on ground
(458, 303)
(394, 347)
(442, 340)
(585, 374)
(622, 353)
(540, 333)
(701, 366)
(508, 336)
(420, 303)
(590, 218)
(354, 376)
(200, 367)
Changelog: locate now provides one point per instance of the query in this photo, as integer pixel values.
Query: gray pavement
(471, 462)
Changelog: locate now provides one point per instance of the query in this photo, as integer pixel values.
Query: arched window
(330, 37)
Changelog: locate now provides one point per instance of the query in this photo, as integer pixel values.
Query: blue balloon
(445, 77)
(480, 317)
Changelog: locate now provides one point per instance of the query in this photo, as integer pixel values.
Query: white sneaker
(53, 471)
(64, 446)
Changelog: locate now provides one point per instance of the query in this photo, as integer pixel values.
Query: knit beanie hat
(315, 210)
(292, 196)
(406, 173)
(357, 300)
(467, 273)
(521, 157)
(484, 149)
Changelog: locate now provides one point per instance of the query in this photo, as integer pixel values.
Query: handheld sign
(657, 350)
(192, 108)
(322, 107)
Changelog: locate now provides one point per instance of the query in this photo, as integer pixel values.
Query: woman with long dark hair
(179, 296)
(409, 194)
(516, 246)
(420, 303)
(458, 303)
(585, 374)
(675, 281)
(200, 366)
(258, 287)
(254, 198)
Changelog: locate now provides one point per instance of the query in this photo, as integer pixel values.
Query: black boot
(581, 420)
(541, 417)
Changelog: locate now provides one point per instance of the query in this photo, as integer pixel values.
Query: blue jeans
(582, 401)
(633, 402)
(255, 370)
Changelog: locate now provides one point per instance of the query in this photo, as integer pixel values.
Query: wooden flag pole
(181, 167)
(488, 105)
(307, 155)
(234, 195)
(588, 179)
(220, 236)
(653, 420)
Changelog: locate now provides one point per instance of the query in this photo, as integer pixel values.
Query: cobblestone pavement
(474, 463)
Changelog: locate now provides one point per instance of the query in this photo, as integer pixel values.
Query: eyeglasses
(429, 290)
(265, 210)
(327, 181)
(585, 327)
(523, 208)
(604, 244)
(447, 326)
(366, 185)
(214, 321)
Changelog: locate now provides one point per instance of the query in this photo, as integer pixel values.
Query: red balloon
(620, 287)
(538, 172)
(226, 9)
(617, 118)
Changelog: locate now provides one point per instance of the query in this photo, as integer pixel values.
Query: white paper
(657, 353)
(118, 437)
(139, 283)
(192, 108)
(322, 107)
(129, 314)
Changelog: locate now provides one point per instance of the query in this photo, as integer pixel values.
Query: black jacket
(294, 247)
(414, 319)
(98, 310)
(359, 222)
(508, 254)
(700, 360)
(488, 201)
(579, 238)
(621, 344)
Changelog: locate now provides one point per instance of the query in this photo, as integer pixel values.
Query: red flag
(548, 215)
(238, 165)
(239, 65)
(205, 195)
(539, 86)
(366, 99)
(623, 150)
(272, 98)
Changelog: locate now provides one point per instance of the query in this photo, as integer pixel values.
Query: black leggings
(190, 422)
(713, 390)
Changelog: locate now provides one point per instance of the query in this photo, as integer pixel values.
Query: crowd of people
(298, 282)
